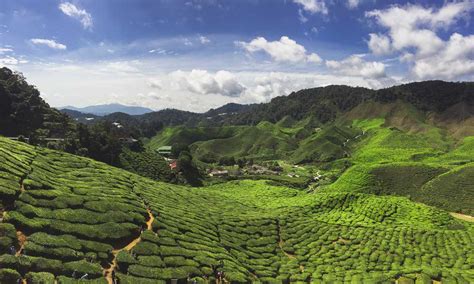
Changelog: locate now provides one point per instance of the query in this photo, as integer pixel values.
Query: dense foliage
(147, 164)
(23, 112)
(78, 216)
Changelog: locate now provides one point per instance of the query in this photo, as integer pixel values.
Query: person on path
(114, 281)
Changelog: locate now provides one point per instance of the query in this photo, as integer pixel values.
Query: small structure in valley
(173, 164)
(219, 173)
(164, 150)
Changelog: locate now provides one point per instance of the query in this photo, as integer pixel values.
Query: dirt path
(463, 217)
(129, 247)
(280, 244)
(21, 241)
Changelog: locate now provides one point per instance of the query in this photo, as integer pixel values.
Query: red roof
(173, 165)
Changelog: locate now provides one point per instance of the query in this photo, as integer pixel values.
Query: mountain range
(101, 110)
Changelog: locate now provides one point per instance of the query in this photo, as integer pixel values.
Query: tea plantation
(73, 220)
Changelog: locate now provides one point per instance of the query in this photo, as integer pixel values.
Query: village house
(164, 150)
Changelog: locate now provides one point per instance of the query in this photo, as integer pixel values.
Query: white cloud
(313, 6)
(353, 3)
(121, 66)
(79, 14)
(355, 65)
(413, 33)
(8, 60)
(415, 26)
(155, 83)
(301, 16)
(284, 50)
(204, 40)
(49, 43)
(5, 50)
(202, 82)
(454, 60)
(142, 83)
(267, 86)
(379, 44)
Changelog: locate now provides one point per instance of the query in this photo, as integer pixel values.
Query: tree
(227, 161)
(188, 169)
(177, 148)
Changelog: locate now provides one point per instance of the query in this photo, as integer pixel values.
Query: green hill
(67, 215)
(427, 166)
(265, 141)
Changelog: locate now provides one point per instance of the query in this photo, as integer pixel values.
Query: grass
(75, 212)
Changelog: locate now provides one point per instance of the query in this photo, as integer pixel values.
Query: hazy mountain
(110, 108)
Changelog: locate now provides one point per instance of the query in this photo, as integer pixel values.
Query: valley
(376, 189)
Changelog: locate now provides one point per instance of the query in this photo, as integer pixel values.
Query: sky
(200, 54)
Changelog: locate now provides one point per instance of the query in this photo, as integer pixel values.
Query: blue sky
(198, 54)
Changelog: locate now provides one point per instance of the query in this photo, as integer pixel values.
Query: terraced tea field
(67, 217)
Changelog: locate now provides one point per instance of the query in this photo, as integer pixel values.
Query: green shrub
(82, 267)
(39, 277)
(146, 248)
(127, 279)
(40, 264)
(66, 280)
(9, 275)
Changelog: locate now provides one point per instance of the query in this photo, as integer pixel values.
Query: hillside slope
(66, 216)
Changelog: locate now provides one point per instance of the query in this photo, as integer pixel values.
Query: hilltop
(75, 216)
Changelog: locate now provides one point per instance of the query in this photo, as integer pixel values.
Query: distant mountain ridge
(106, 109)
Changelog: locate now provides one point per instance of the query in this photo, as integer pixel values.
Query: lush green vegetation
(428, 166)
(339, 184)
(298, 142)
(75, 212)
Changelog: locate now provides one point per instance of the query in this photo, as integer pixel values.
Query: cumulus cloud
(267, 86)
(413, 26)
(313, 6)
(203, 82)
(379, 44)
(455, 59)
(49, 43)
(283, 50)
(79, 14)
(413, 32)
(355, 65)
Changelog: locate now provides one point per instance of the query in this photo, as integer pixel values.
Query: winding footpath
(129, 247)
(463, 217)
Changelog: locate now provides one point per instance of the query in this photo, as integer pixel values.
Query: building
(164, 150)
(173, 164)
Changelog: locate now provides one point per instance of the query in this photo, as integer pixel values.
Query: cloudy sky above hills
(198, 54)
